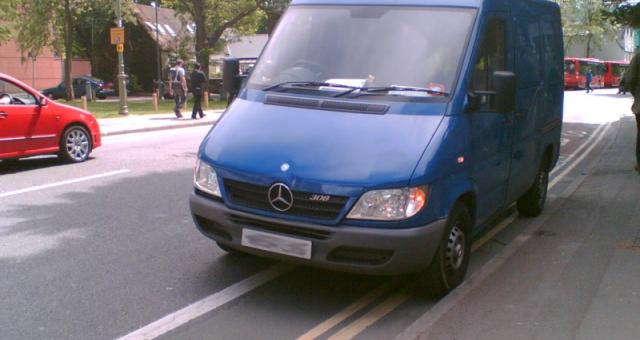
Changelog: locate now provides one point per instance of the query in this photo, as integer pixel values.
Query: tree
(624, 12)
(273, 10)
(212, 19)
(53, 24)
(585, 21)
(7, 15)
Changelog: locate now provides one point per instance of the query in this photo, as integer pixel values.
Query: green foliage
(585, 21)
(273, 10)
(624, 12)
(7, 15)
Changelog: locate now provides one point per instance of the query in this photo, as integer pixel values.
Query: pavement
(154, 122)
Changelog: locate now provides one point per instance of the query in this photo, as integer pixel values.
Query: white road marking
(579, 149)
(575, 163)
(59, 184)
(208, 304)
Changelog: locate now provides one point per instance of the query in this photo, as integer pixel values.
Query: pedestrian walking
(178, 88)
(632, 85)
(198, 83)
(623, 79)
(589, 79)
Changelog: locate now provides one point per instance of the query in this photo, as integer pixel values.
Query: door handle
(4, 115)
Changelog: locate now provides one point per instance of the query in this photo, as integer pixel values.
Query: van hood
(254, 140)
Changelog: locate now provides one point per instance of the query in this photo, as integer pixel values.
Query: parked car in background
(101, 88)
(31, 124)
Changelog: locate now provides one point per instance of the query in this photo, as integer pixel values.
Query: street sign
(117, 35)
(120, 48)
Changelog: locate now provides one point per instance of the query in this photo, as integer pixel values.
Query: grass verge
(102, 109)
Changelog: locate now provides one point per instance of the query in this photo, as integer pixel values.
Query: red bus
(575, 70)
(614, 70)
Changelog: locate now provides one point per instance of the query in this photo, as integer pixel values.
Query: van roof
(449, 3)
(454, 3)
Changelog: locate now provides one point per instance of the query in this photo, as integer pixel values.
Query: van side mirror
(42, 101)
(504, 83)
(231, 78)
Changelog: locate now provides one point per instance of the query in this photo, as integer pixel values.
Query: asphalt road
(107, 248)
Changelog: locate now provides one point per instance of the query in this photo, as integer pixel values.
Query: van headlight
(206, 179)
(390, 205)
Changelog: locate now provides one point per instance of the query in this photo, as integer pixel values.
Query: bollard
(154, 100)
(84, 103)
(206, 99)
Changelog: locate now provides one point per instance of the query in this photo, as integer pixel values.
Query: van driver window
(11, 94)
(492, 56)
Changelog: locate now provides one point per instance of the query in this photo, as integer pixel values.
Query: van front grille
(257, 197)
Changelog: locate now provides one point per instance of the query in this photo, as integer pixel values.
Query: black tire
(449, 265)
(101, 96)
(532, 203)
(75, 144)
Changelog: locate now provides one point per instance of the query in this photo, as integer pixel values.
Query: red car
(31, 124)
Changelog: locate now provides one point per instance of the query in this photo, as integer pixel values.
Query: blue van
(381, 136)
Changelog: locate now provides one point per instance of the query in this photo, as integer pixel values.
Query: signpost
(117, 38)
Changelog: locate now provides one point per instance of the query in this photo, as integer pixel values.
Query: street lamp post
(160, 87)
(124, 109)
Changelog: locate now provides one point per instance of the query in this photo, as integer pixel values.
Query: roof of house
(169, 29)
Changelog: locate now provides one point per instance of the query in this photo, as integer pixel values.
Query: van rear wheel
(449, 265)
(533, 202)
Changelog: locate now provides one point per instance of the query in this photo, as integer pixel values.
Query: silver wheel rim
(455, 252)
(77, 145)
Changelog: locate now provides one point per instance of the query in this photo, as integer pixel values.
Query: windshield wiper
(373, 90)
(304, 84)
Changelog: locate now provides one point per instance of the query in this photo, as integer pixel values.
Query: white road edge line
(570, 167)
(417, 328)
(579, 149)
(208, 304)
(59, 184)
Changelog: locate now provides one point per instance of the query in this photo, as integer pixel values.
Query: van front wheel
(449, 265)
(533, 202)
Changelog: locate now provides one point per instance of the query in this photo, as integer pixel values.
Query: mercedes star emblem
(280, 197)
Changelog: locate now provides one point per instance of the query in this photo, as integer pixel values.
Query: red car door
(25, 127)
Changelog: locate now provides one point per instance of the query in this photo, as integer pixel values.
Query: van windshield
(409, 51)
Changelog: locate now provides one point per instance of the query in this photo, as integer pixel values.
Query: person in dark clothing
(632, 84)
(198, 85)
(589, 79)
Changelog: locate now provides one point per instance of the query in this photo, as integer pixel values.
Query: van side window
(529, 48)
(492, 56)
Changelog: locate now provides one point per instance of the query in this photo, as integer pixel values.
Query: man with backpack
(178, 87)
(632, 84)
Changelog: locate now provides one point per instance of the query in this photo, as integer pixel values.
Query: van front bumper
(343, 248)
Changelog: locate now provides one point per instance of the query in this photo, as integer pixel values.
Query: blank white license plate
(277, 244)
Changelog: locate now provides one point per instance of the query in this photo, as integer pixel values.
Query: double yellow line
(392, 302)
(385, 307)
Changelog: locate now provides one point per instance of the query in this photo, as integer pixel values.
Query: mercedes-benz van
(380, 136)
